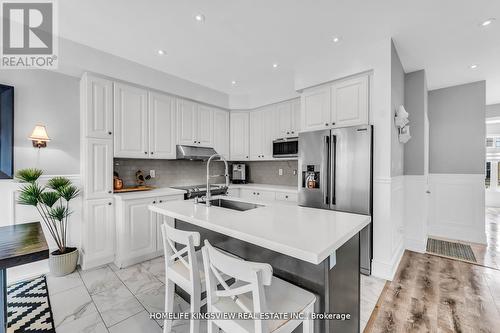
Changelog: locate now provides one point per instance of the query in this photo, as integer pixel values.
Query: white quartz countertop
(157, 192)
(307, 234)
(277, 188)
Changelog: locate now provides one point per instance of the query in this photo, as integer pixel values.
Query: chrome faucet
(226, 174)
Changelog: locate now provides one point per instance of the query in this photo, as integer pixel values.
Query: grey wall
(416, 105)
(457, 129)
(178, 172)
(52, 99)
(397, 99)
(493, 110)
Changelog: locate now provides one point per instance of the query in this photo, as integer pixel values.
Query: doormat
(28, 307)
(450, 249)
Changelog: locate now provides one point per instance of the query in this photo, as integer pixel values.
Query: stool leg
(169, 304)
(308, 324)
(195, 308)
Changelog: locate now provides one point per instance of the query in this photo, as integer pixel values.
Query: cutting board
(134, 189)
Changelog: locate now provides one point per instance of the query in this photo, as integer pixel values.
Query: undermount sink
(230, 204)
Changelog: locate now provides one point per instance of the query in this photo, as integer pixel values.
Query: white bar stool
(256, 291)
(183, 268)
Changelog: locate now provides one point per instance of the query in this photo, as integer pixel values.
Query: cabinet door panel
(295, 117)
(131, 122)
(239, 129)
(315, 109)
(186, 122)
(284, 121)
(98, 112)
(99, 231)
(221, 132)
(139, 229)
(162, 136)
(256, 135)
(350, 102)
(160, 219)
(205, 124)
(99, 168)
(269, 132)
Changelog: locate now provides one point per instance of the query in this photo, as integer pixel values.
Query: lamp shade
(39, 134)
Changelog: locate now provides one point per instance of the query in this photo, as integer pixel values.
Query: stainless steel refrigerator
(335, 168)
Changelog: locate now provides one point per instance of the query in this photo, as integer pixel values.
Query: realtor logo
(29, 38)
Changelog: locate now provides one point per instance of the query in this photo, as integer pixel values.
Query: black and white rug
(28, 307)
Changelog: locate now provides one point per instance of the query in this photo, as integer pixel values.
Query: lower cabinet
(138, 229)
(257, 194)
(98, 246)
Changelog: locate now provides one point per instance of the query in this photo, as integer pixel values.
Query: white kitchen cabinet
(98, 168)
(221, 132)
(338, 104)
(316, 110)
(233, 192)
(256, 135)
(98, 246)
(195, 124)
(288, 119)
(162, 134)
(239, 136)
(262, 133)
(160, 219)
(253, 194)
(136, 232)
(286, 196)
(350, 102)
(131, 137)
(97, 106)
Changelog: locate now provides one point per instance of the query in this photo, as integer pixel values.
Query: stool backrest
(186, 255)
(253, 275)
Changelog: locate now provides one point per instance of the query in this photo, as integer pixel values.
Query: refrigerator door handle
(333, 167)
(326, 149)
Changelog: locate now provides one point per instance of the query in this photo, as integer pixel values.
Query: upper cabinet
(162, 138)
(221, 132)
(288, 118)
(339, 104)
(97, 103)
(350, 102)
(263, 130)
(130, 122)
(239, 136)
(194, 123)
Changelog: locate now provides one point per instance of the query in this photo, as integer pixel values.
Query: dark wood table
(19, 244)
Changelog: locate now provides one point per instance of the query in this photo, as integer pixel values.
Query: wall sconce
(39, 136)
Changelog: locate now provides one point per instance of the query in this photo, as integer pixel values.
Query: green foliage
(49, 198)
(29, 175)
(30, 194)
(58, 213)
(58, 183)
(69, 192)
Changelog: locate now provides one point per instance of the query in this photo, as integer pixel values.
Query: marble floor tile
(99, 279)
(57, 284)
(71, 305)
(154, 300)
(116, 304)
(138, 279)
(156, 267)
(87, 324)
(137, 323)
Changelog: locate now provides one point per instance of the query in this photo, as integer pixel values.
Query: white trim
(387, 270)
(416, 213)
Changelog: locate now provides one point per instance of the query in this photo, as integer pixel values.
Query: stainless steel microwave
(286, 147)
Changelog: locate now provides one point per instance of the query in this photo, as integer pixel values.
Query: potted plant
(52, 203)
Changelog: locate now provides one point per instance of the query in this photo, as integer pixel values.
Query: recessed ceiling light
(275, 65)
(161, 52)
(487, 22)
(233, 83)
(473, 66)
(199, 17)
(336, 39)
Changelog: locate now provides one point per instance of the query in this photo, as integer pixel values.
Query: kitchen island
(315, 249)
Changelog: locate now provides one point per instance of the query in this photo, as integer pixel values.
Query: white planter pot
(63, 264)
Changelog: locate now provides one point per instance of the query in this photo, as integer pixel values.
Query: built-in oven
(286, 147)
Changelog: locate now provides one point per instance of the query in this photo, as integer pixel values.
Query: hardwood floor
(435, 294)
(489, 254)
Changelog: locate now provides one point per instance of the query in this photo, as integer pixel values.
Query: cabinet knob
(287, 132)
(333, 124)
(146, 152)
(258, 193)
(246, 156)
(154, 201)
(110, 192)
(152, 153)
(326, 124)
(293, 132)
(286, 196)
(194, 141)
(161, 201)
(110, 203)
(253, 193)
(199, 142)
(110, 132)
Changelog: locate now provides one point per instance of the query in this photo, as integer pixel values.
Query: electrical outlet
(280, 172)
(152, 173)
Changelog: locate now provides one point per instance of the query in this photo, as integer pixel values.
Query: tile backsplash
(183, 172)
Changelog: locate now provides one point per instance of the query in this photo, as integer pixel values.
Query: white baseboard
(387, 270)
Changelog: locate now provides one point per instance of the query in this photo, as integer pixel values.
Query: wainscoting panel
(416, 212)
(456, 207)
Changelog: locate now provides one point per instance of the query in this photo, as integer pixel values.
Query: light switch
(280, 172)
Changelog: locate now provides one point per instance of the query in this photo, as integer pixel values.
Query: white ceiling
(240, 40)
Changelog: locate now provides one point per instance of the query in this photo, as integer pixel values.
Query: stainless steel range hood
(194, 153)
